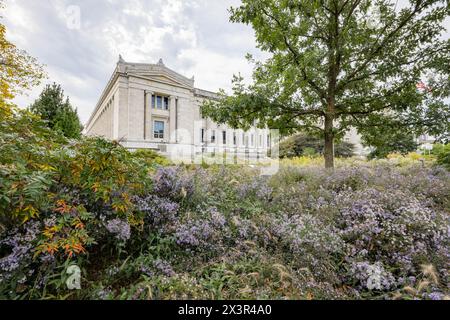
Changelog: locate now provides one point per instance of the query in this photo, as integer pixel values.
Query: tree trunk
(329, 143)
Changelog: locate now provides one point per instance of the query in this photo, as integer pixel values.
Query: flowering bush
(120, 228)
(372, 276)
(65, 190)
(168, 182)
(140, 230)
(206, 233)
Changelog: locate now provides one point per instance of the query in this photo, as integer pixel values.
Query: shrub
(392, 229)
(302, 144)
(74, 194)
(151, 158)
(140, 230)
(442, 152)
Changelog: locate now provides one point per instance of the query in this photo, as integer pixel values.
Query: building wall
(121, 115)
(352, 136)
(103, 122)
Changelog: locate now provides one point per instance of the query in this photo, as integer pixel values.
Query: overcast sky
(193, 37)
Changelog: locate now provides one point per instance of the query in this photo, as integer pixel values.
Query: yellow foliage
(26, 212)
(18, 70)
(303, 161)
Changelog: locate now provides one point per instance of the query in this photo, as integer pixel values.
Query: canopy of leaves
(57, 111)
(336, 64)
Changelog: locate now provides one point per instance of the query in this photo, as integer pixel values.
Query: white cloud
(81, 60)
(194, 37)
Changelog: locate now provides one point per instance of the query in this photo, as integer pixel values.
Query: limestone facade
(150, 106)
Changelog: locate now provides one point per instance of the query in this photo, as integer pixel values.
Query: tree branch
(374, 51)
(295, 54)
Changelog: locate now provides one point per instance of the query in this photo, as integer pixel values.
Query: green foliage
(41, 174)
(140, 230)
(57, 111)
(151, 158)
(389, 141)
(442, 152)
(303, 144)
(332, 67)
(26, 164)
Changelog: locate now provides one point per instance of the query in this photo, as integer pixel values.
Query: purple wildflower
(120, 228)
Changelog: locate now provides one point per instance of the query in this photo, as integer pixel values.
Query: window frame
(164, 102)
(157, 134)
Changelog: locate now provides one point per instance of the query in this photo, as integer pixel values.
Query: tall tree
(57, 111)
(18, 70)
(336, 64)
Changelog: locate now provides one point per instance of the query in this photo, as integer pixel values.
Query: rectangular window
(213, 136)
(202, 135)
(158, 130)
(252, 141)
(234, 138)
(224, 137)
(159, 102)
(268, 141)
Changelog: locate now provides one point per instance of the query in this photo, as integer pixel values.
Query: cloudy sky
(194, 37)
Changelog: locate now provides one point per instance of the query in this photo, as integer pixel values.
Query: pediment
(160, 73)
(163, 79)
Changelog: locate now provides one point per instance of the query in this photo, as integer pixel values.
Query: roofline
(159, 81)
(118, 72)
(160, 64)
(108, 86)
(206, 93)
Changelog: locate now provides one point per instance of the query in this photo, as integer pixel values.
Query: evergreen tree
(57, 111)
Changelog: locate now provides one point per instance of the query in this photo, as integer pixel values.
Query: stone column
(148, 116)
(115, 119)
(172, 119)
